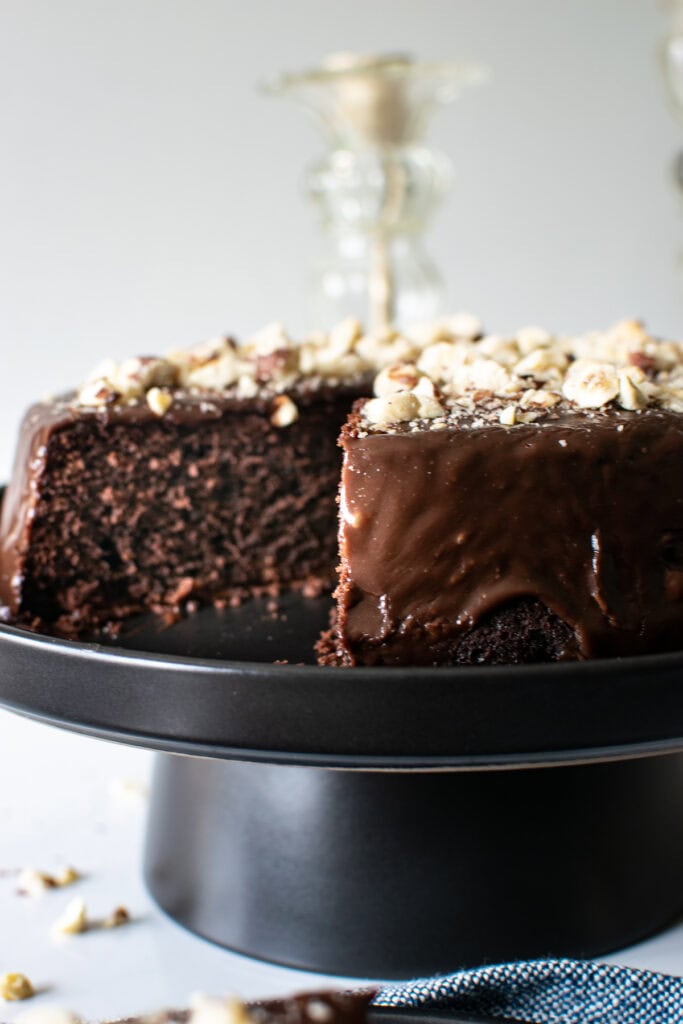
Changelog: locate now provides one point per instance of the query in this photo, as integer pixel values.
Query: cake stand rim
(457, 718)
(358, 763)
(607, 665)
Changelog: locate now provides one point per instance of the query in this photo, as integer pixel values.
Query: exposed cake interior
(137, 512)
(200, 476)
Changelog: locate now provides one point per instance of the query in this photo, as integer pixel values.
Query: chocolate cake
(502, 499)
(514, 500)
(316, 1007)
(203, 476)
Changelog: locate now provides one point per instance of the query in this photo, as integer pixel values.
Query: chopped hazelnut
(137, 375)
(508, 416)
(400, 377)
(67, 876)
(397, 408)
(118, 916)
(504, 350)
(97, 394)
(246, 387)
(440, 360)
(539, 397)
(34, 883)
(530, 338)
(73, 919)
(429, 406)
(15, 986)
(284, 412)
(482, 375)
(591, 384)
(217, 373)
(270, 338)
(630, 396)
(672, 399)
(159, 401)
(542, 364)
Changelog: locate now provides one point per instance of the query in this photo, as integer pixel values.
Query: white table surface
(61, 802)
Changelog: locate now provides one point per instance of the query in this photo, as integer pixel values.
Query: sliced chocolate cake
(514, 500)
(502, 499)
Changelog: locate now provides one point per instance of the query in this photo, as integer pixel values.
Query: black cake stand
(382, 822)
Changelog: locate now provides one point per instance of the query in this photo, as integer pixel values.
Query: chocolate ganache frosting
(439, 528)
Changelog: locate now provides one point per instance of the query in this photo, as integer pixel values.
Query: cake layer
(116, 510)
(443, 534)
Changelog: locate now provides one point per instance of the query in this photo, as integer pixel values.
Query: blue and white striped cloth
(547, 992)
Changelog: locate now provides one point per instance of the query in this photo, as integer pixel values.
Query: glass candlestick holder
(378, 183)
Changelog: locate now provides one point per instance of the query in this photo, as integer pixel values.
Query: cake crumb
(67, 876)
(34, 883)
(15, 986)
(119, 916)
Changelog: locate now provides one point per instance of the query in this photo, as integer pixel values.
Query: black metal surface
(218, 706)
(399, 875)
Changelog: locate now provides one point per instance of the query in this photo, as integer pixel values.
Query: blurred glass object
(378, 184)
(672, 65)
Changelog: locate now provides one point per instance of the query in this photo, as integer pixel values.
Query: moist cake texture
(202, 476)
(514, 500)
(130, 511)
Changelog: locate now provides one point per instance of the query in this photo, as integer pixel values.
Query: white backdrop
(149, 197)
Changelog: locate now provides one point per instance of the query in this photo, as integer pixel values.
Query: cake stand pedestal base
(398, 874)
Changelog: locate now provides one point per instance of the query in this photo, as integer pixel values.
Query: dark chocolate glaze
(441, 530)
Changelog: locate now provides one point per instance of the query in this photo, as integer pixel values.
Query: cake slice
(514, 500)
